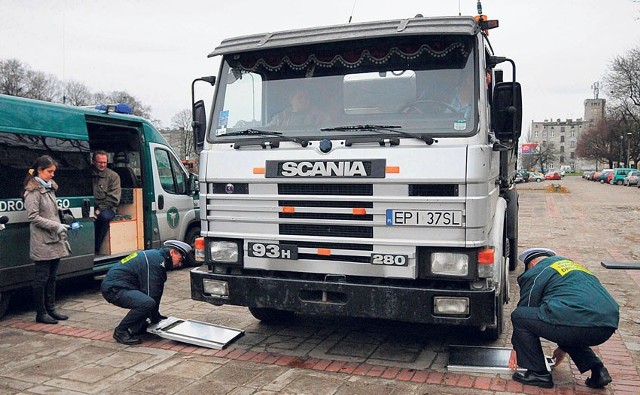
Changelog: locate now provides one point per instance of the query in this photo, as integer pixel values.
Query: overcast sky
(153, 49)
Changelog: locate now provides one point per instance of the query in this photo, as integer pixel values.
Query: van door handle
(160, 202)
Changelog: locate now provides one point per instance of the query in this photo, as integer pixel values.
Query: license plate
(424, 218)
(275, 251)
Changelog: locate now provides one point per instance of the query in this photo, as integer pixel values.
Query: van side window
(172, 177)
(19, 151)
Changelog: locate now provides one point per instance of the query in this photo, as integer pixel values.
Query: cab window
(173, 178)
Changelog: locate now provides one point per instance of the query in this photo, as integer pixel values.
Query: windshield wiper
(257, 132)
(380, 128)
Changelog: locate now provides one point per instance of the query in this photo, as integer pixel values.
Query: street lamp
(620, 151)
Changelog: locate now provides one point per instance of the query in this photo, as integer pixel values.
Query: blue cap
(528, 255)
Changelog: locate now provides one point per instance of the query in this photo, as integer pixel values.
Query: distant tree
(546, 154)
(181, 122)
(41, 86)
(623, 84)
(77, 94)
(598, 144)
(13, 77)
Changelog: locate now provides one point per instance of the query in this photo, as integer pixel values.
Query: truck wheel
(512, 253)
(5, 297)
(190, 238)
(271, 316)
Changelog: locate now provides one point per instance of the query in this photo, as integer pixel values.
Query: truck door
(173, 204)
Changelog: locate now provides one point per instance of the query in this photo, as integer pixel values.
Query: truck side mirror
(194, 186)
(199, 123)
(506, 110)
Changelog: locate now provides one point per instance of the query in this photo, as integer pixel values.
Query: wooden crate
(126, 235)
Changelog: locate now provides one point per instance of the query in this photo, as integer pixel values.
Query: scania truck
(159, 197)
(362, 170)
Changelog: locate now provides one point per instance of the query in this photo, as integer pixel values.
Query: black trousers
(142, 307)
(575, 340)
(45, 272)
(102, 226)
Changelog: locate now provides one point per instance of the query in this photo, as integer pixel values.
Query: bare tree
(13, 77)
(623, 83)
(123, 97)
(182, 123)
(42, 86)
(598, 143)
(77, 94)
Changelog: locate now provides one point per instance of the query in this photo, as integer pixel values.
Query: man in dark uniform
(563, 302)
(137, 283)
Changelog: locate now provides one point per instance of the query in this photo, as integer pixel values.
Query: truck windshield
(423, 85)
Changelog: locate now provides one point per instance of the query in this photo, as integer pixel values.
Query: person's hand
(62, 229)
(513, 360)
(559, 355)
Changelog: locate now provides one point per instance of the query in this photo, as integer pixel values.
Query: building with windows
(563, 134)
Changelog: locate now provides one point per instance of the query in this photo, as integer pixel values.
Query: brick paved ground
(320, 355)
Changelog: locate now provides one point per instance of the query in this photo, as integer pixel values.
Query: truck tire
(271, 316)
(5, 298)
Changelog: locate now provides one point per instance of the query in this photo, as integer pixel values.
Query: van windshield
(421, 85)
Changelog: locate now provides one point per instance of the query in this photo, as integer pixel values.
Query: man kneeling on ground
(563, 302)
(137, 283)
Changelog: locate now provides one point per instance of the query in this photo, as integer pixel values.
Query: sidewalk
(320, 355)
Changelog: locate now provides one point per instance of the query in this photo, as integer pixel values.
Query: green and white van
(159, 197)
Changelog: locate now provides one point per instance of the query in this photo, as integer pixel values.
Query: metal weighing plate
(620, 265)
(483, 359)
(195, 332)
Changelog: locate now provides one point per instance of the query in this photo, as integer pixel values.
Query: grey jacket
(42, 210)
(106, 189)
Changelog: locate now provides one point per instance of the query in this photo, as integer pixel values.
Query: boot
(41, 312)
(50, 301)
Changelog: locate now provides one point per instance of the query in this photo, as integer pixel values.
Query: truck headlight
(449, 264)
(223, 251)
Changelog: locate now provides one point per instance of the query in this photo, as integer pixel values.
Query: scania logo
(348, 168)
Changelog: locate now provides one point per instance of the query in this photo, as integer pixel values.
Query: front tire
(271, 316)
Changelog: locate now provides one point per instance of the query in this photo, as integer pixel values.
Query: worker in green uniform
(563, 302)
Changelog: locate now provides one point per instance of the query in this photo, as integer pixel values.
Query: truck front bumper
(401, 303)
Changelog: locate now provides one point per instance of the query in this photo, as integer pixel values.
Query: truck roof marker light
(324, 251)
(359, 211)
(392, 169)
(258, 170)
(288, 209)
(486, 256)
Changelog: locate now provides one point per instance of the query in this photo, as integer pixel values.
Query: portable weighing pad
(195, 332)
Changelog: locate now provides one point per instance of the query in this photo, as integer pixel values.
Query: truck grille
(329, 206)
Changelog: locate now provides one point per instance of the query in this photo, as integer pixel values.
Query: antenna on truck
(352, 9)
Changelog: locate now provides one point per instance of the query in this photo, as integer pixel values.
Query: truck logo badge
(374, 168)
(173, 217)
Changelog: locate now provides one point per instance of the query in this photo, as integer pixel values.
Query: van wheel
(5, 298)
(271, 316)
(190, 238)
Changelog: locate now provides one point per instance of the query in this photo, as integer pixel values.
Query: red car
(553, 175)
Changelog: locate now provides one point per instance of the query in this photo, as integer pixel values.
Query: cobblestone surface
(323, 355)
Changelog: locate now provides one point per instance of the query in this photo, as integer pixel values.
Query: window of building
(562, 148)
(562, 139)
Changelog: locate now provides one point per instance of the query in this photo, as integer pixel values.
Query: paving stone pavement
(325, 355)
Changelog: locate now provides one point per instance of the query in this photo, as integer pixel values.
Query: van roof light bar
(120, 108)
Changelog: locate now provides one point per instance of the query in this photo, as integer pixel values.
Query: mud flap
(193, 332)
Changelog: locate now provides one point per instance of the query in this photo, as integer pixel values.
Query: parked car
(588, 174)
(524, 175)
(619, 174)
(553, 175)
(631, 178)
(537, 177)
(603, 176)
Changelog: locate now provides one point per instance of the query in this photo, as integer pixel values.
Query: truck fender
(511, 196)
(497, 239)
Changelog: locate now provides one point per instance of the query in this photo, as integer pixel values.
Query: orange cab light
(359, 211)
(288, 209)
(486, 256)
(324, 251)
(258, 170)
(199, 243)
(393, 169)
